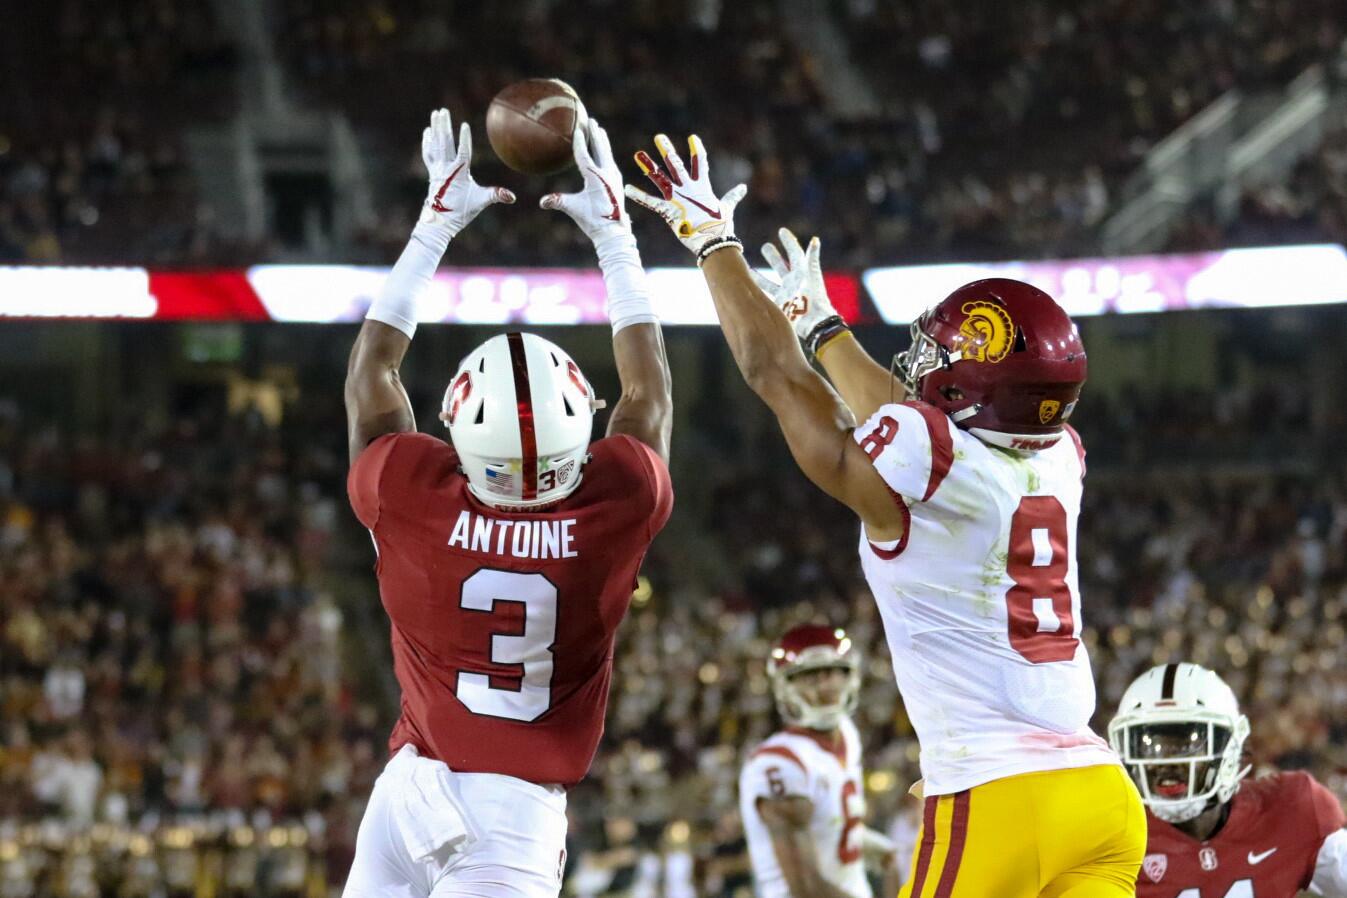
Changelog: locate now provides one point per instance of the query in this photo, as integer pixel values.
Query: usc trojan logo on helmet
(989, 331)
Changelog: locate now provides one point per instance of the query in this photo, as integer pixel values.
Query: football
(530, 124)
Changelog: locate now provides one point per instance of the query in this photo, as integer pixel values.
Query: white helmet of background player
(520, 414)
(813, 647)
(1180, 733)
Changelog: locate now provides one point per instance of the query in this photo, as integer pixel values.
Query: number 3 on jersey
(1038, 606)
(529, 650)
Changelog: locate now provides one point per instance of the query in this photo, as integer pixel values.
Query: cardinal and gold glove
(701, 220)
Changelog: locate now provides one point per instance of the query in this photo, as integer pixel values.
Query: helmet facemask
(796, 708)
(1184, 765)
(920, 359)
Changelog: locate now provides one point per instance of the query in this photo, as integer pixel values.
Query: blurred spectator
(995, 134)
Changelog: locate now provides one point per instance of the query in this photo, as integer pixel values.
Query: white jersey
(980, 599)
(795, 762)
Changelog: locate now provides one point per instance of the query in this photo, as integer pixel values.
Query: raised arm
(645, 410)
(817, 424)
(376, 401)
(801, 293)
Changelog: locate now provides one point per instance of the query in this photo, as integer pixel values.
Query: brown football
(530, 124)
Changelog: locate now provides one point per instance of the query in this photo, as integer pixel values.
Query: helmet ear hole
(951, 394)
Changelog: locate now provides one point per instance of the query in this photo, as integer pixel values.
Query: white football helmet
(520, 414)
(813, 647)
(1181, 735)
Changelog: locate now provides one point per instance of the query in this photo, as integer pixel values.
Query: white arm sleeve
(1330, 869)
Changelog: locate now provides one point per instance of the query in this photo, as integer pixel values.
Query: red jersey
(503, 623)
(1267, 848)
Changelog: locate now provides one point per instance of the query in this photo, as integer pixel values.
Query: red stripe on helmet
(528, 437)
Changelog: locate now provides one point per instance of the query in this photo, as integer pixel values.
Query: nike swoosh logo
(714, 213)
(1259, 858)
(436, 204)
(616, 214)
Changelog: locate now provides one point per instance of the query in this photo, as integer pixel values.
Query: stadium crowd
(183, 699)
(993, 134)
(92, 164)
(168, 669)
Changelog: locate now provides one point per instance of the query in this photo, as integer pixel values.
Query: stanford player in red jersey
(505, 562)
(1181, 735)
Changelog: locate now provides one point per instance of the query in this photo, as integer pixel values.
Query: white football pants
(429, 832)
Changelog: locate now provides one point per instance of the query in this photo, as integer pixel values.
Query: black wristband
(716, 243)
(824, 331)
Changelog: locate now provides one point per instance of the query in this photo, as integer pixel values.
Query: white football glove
(454, 198)
(699, 218)
(799, 290)
(598, 208)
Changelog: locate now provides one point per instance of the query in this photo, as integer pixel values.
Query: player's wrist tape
(825, 332)
(411, 274)
(717, 243)
(624, 281)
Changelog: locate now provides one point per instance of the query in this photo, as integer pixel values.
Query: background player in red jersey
(505, 562)
(1181, 735)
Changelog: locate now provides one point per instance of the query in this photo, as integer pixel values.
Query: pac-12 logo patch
(1047, 410)
(989, 330)
(1154, 866)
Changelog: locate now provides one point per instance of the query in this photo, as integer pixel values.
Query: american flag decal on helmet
(500, 481)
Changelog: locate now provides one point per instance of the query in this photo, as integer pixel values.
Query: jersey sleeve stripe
(958, 836)
(890, 554)
(782, 752)
(927, 846)
(942, 445)
(1080, 448)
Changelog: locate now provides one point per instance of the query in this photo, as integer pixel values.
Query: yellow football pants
(1076, 833)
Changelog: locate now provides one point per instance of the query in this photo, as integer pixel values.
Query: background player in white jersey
(968, 500)
(1213, 834)
(801, 792)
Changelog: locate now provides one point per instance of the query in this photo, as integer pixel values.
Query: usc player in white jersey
(967, 481)
(801, 792)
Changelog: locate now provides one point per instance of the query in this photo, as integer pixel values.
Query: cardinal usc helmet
(520, 414)
(813, 647)
(1180, 733)
(1001, 358)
